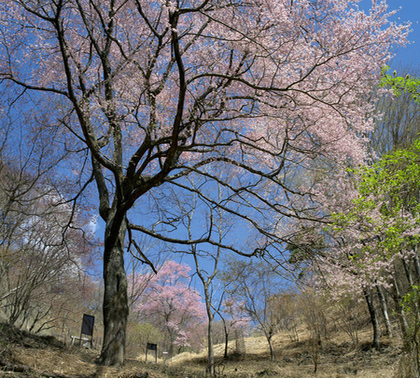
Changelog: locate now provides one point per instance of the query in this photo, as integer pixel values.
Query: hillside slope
(25, 355)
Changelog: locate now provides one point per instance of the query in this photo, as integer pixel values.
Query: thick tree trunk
(240, 343)
(370, 300)
(115, 305)
(171, 348)
(171, 338)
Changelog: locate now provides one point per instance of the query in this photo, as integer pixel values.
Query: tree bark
(270, 344)
(374, 318)
(115, 305)
(417, 263)
(225, 354)
(210, 347)
(400, 310)
(385, 310)
(269, 336)
(410, 280)
(210, 364)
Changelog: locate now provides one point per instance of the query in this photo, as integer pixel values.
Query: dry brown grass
(337, 359)
(53, 360)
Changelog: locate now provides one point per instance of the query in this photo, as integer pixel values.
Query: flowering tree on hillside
(376, 241)
(172, 304)
(370, 248)
(147, 94)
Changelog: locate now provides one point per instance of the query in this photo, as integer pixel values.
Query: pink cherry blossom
(171, 303)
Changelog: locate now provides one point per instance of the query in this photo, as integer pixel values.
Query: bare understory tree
(256, 289)
(43, 247)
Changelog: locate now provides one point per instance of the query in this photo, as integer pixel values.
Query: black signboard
(151, 346)
(87, 325)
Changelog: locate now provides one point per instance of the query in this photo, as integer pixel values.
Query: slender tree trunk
(272, 358)
(400, 310)
(269, 337)
(115, 305)
(225, 355)
(226, 332)
(417, 263)
(316, 339)
(384, 307)
(409, 365)
(210, 345)
(210, 364)
(374, 318)
(407, 270)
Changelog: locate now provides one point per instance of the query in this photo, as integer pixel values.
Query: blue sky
(410, 11)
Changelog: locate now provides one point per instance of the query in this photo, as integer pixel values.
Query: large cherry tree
(157, 97)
